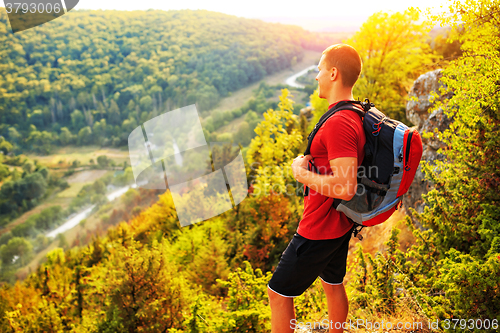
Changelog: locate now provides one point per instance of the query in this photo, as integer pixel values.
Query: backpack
(392, 155)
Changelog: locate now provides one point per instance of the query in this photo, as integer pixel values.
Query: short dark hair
(347, 61)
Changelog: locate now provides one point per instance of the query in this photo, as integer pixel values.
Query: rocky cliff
(417, 111)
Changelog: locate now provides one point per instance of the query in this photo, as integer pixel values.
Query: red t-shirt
(342, 135)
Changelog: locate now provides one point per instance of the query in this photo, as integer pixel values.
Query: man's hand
(299, 166)
(341, 184)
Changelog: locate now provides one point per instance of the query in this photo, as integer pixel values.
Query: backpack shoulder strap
(343, 105)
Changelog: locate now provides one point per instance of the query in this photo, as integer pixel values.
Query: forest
(146, 273)
(93, 76)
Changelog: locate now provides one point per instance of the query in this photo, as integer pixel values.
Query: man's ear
(334, 74)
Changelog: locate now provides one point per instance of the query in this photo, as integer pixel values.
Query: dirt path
(86, 176)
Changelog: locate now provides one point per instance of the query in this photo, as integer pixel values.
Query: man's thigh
(304, 260)
(335, 270)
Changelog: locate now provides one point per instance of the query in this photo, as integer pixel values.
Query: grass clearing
(71, 191)
(64, 156)
(80, 179)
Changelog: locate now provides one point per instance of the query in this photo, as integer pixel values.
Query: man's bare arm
(341, 185)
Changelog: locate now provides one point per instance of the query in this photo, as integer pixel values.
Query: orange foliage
(271, 215)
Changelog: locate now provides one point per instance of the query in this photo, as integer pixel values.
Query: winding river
(291, 81)
(73, 221)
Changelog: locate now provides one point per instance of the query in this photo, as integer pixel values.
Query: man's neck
(337, 96)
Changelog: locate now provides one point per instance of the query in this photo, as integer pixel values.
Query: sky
(316, 15)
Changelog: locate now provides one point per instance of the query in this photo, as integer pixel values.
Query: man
(320, 246)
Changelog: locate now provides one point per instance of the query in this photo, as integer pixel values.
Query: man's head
(339, 69)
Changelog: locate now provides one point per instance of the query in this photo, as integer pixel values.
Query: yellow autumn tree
(394, 51)
(272, 151)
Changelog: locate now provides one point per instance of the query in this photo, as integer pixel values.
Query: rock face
(417, 111)
(307, 112)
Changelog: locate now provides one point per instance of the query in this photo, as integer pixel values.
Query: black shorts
(304, 260)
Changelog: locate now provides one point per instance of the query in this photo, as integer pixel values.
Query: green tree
(114, 113)
(41, 141)
(244, 134)
(40, 242)
(377, 279)
(103, 161)
(48, 218)
(18, 251)
(145, 103)
(61, 241)
(66, 137)
(99, 128)
(77, 120)
(247, 309)
(85, 136)
(99, 187)
(26, 229)
(14, 135)
(28, 167)
(37, 118)
(5, 146)
(4, 171)
(22, 192)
